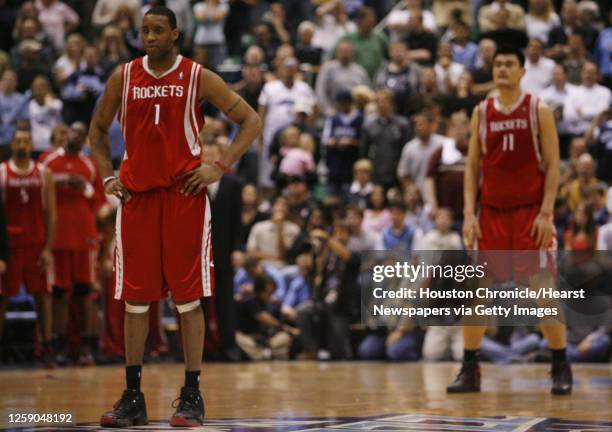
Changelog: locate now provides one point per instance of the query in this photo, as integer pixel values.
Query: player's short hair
(164, 11)
(22, 126)
(505, 50)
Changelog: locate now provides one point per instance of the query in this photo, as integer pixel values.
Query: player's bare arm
(471, 229)
(543, 226)
(46, 257)
(216, 91)
(98, 135)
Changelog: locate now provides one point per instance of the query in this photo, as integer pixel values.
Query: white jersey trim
(145, 65)
(118, 256)
(206, 262)
(188, 126)
(125, 97)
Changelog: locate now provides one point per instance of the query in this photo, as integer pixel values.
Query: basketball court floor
(312, 396)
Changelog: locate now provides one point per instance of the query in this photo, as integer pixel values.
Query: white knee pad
(188, 307)
(136, 309)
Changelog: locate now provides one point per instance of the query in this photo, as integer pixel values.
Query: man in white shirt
(589, 100)
(538, 69)
(412, 167)
(276, 108)
(556, 95)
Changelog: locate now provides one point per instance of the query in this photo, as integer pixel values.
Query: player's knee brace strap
(136, 309)
(188, 307)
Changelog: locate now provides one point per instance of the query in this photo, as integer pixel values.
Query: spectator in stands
(105, 11)
(112, 49)
(400, 237)
(210, 17)
(127, 20)
(586, 180)
(442, 342)
(569, 167)
(45, 111)
(57, 19)
(597, 200)
(251, 213)
(361, 239)
(341, 138)
(376, 217)
(423, 44)
(464, 50)
(603, 53)
(599, 139)
(541, 19)
(575, 58)
(276, 108)
(339, 75)
(270, 239)
(447, 71)
(446, 167)
(306, 52)
(277, 20)
(71, 60)
(570, 24)
(401, 76)
(489, 16)
(299, 290)
(538, 69)
(462, 99)
(13, 109)
(412, 167)
(604, 237)
(581, 235)
(299, 161)
(417, 213)
(29, 29)
(507, 26)
(262, 335)
(31, 64)
(555, 96)
(324, 320)
(589, 100)
(361, 188)
(483, 75)
(332, 24)
(83, 88)
(397, 20)
(371, 46)
(383, 137)
(299, 200)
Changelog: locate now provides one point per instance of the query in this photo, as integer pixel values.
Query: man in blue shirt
(400, 237)
(13, 108)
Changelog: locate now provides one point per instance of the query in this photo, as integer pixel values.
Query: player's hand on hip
(45, 260)
(471, 230)
(542, 229)
(115, 187)
(197, 179)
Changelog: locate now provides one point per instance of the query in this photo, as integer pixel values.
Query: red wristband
(221, 165)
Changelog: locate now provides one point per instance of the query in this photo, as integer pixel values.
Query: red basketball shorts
(74, 266)
(508, 233)
(22, 268)
(163, 241)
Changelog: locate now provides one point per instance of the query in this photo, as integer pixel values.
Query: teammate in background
(514, 152)
(163, 224)
(80, 196)
(28, 194)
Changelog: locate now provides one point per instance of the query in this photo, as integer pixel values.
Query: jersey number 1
(156, 114)
(508, 142)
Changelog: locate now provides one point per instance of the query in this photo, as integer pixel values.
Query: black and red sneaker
(189, 410)
(468, 379)
(130, 410)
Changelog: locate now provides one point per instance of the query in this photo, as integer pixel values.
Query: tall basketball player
(163, 224)
(514, 151)
(28, 193)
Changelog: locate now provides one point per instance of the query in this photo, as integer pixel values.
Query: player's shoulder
(51, 156)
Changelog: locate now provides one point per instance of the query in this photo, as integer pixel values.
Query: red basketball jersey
(512, 173)
(161, 121)
(76, 209)
(22, 192)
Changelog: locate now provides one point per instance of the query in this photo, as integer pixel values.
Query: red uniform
(22, 192)
(162, 237)
(76, 240)
(512, 184)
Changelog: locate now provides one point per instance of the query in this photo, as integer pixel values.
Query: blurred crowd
(366, 108)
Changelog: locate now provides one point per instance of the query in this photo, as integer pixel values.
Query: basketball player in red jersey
(29, 200)
(80, 196)
(163, 224)
(514, 150)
